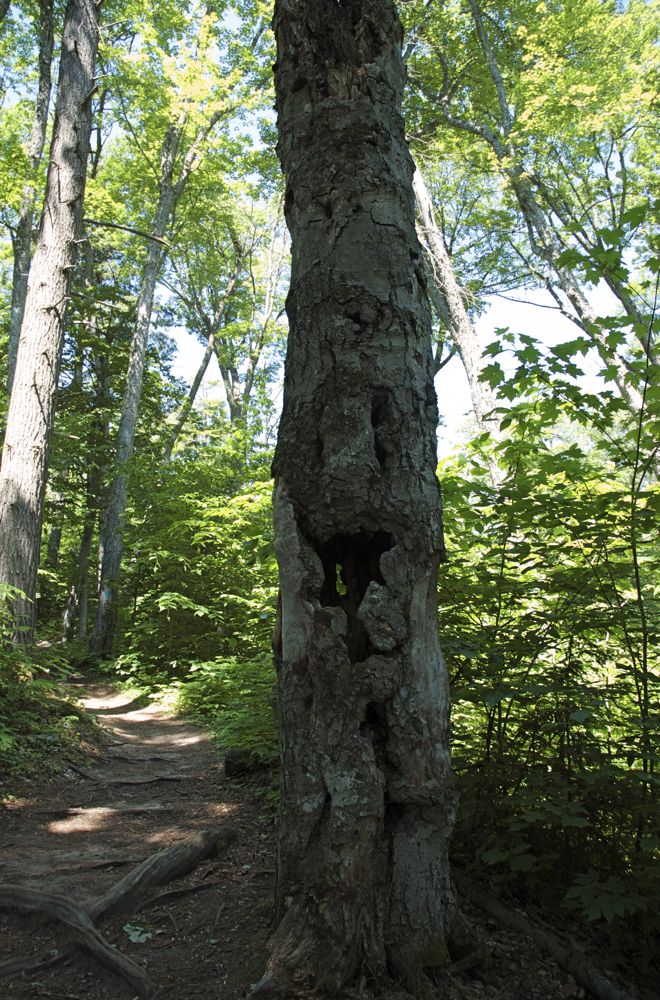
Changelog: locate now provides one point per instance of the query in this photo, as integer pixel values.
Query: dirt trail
(157, 781)
(154, 783)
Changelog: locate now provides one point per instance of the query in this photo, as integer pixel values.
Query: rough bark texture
(22, 236)
(32, 406)
(367, 801)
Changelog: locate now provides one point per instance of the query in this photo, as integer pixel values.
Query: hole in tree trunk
(350, 563)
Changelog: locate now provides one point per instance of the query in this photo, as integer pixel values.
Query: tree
(199, 97)
(32, 405)
(529, 98)
(450, 304)
(367, 800)
(22, 233)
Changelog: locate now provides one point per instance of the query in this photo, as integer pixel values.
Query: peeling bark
(367, 800)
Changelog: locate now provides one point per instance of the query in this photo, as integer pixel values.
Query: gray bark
(112, 547)
(452, 306)
(367, 800)
(4, 7)
(111, 544)
(22, 236)
(32, 405)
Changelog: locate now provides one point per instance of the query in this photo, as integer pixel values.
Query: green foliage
(39, 722)
(550, 618)
(201, 568)
(237, 699)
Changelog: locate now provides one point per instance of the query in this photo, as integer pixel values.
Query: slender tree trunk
(459, 324)
(4, 8)
(77, 600)
(111, 541)
(233, 388)
(54, 543)
(32, 406)
(367, 800)
(186, 409)
(22, 237)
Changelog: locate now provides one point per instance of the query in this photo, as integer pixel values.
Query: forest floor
(154, 782)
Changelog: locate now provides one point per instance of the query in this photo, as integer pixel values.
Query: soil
(155, 782)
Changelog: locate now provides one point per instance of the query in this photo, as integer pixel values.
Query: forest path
(155, 782)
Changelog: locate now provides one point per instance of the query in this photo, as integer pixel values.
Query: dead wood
(572, 961)
(129, 894)
(134, 889)
(86, 935)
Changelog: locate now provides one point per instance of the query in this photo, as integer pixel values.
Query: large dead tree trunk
(32, 406)
(367, 800)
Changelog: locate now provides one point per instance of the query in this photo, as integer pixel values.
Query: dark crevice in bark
(374, 727)
(379, 414)
(350, 564)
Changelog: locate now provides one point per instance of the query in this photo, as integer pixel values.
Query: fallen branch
(132, 891)
(129, 894)
(586, 974)
(18, 897)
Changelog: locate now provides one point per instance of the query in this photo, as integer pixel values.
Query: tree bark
(32, 405)
(459, 324)
(22, 236)
(367, 800)
(111, 544)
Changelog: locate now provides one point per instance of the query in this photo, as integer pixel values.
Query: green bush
(236, 699)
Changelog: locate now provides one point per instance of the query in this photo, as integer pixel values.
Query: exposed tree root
(572, 961)
(127, 895)
(167, 897)
(73, 916)
(174, 862)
